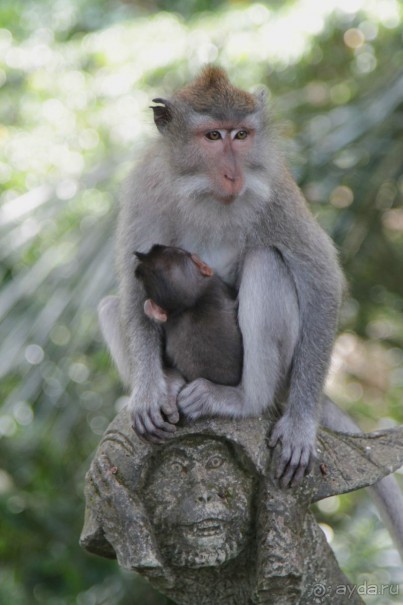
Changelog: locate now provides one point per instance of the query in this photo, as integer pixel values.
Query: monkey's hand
(204, 398)
(154, 411)
(175, 382)
(297, 438)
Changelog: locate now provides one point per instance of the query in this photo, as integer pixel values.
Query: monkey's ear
(162, 113)
(140, 255)
(203, 267)
(154, 312)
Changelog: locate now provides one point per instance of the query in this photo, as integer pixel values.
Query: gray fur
(266, 233)
(266, 244)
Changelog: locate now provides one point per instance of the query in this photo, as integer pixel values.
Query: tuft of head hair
(212, 93)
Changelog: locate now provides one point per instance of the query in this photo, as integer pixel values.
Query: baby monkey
(198, 313)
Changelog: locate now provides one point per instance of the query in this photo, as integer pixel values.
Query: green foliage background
(76, 79)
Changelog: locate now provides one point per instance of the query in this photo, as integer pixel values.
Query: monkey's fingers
(155, 433)
(170, 410)
(283, 460)
(294, 466)
(173, 418)
(149, 437)
(194, 400)
(193, 410)
(147, 431)
(158, 421)
(189, 391)
(304, 467)
(138, 427)
(273, 440)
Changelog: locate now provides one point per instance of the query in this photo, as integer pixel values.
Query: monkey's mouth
(226, 200)
(204, 529)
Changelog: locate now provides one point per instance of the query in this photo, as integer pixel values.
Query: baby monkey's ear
(203, 267)
(154, 312)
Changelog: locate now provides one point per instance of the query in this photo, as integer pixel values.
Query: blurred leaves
(76, 79)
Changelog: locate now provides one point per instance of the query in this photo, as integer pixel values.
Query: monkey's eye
(215, 462)
(178, 467)
(213, 135)
(241, 135)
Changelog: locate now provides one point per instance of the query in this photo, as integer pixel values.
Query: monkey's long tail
(386, 494)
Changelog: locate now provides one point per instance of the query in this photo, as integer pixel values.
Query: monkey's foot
(154, 414)
(204, 398)
(174, 382)
(296, 439)
(196, 399)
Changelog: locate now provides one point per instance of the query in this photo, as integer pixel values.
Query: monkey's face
(172, 277)
(213, 133)
(219, 158)
(200, 500)
(222, 148)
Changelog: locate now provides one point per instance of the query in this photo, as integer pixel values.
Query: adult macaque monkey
(214, 183)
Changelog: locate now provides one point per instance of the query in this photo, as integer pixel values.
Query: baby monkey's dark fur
(198, 313)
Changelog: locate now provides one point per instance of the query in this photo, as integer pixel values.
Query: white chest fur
(221, 257)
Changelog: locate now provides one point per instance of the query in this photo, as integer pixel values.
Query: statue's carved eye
(215, 462)
(178, 467)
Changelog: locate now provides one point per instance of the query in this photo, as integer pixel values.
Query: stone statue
(202, 518)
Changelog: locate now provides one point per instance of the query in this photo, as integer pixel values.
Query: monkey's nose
(204, 497)
(232, 183)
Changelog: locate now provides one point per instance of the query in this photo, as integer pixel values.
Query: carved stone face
(203, 518)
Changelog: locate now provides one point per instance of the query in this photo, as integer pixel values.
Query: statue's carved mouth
(205, 529)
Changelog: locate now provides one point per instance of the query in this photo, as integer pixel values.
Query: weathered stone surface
(203, 519)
